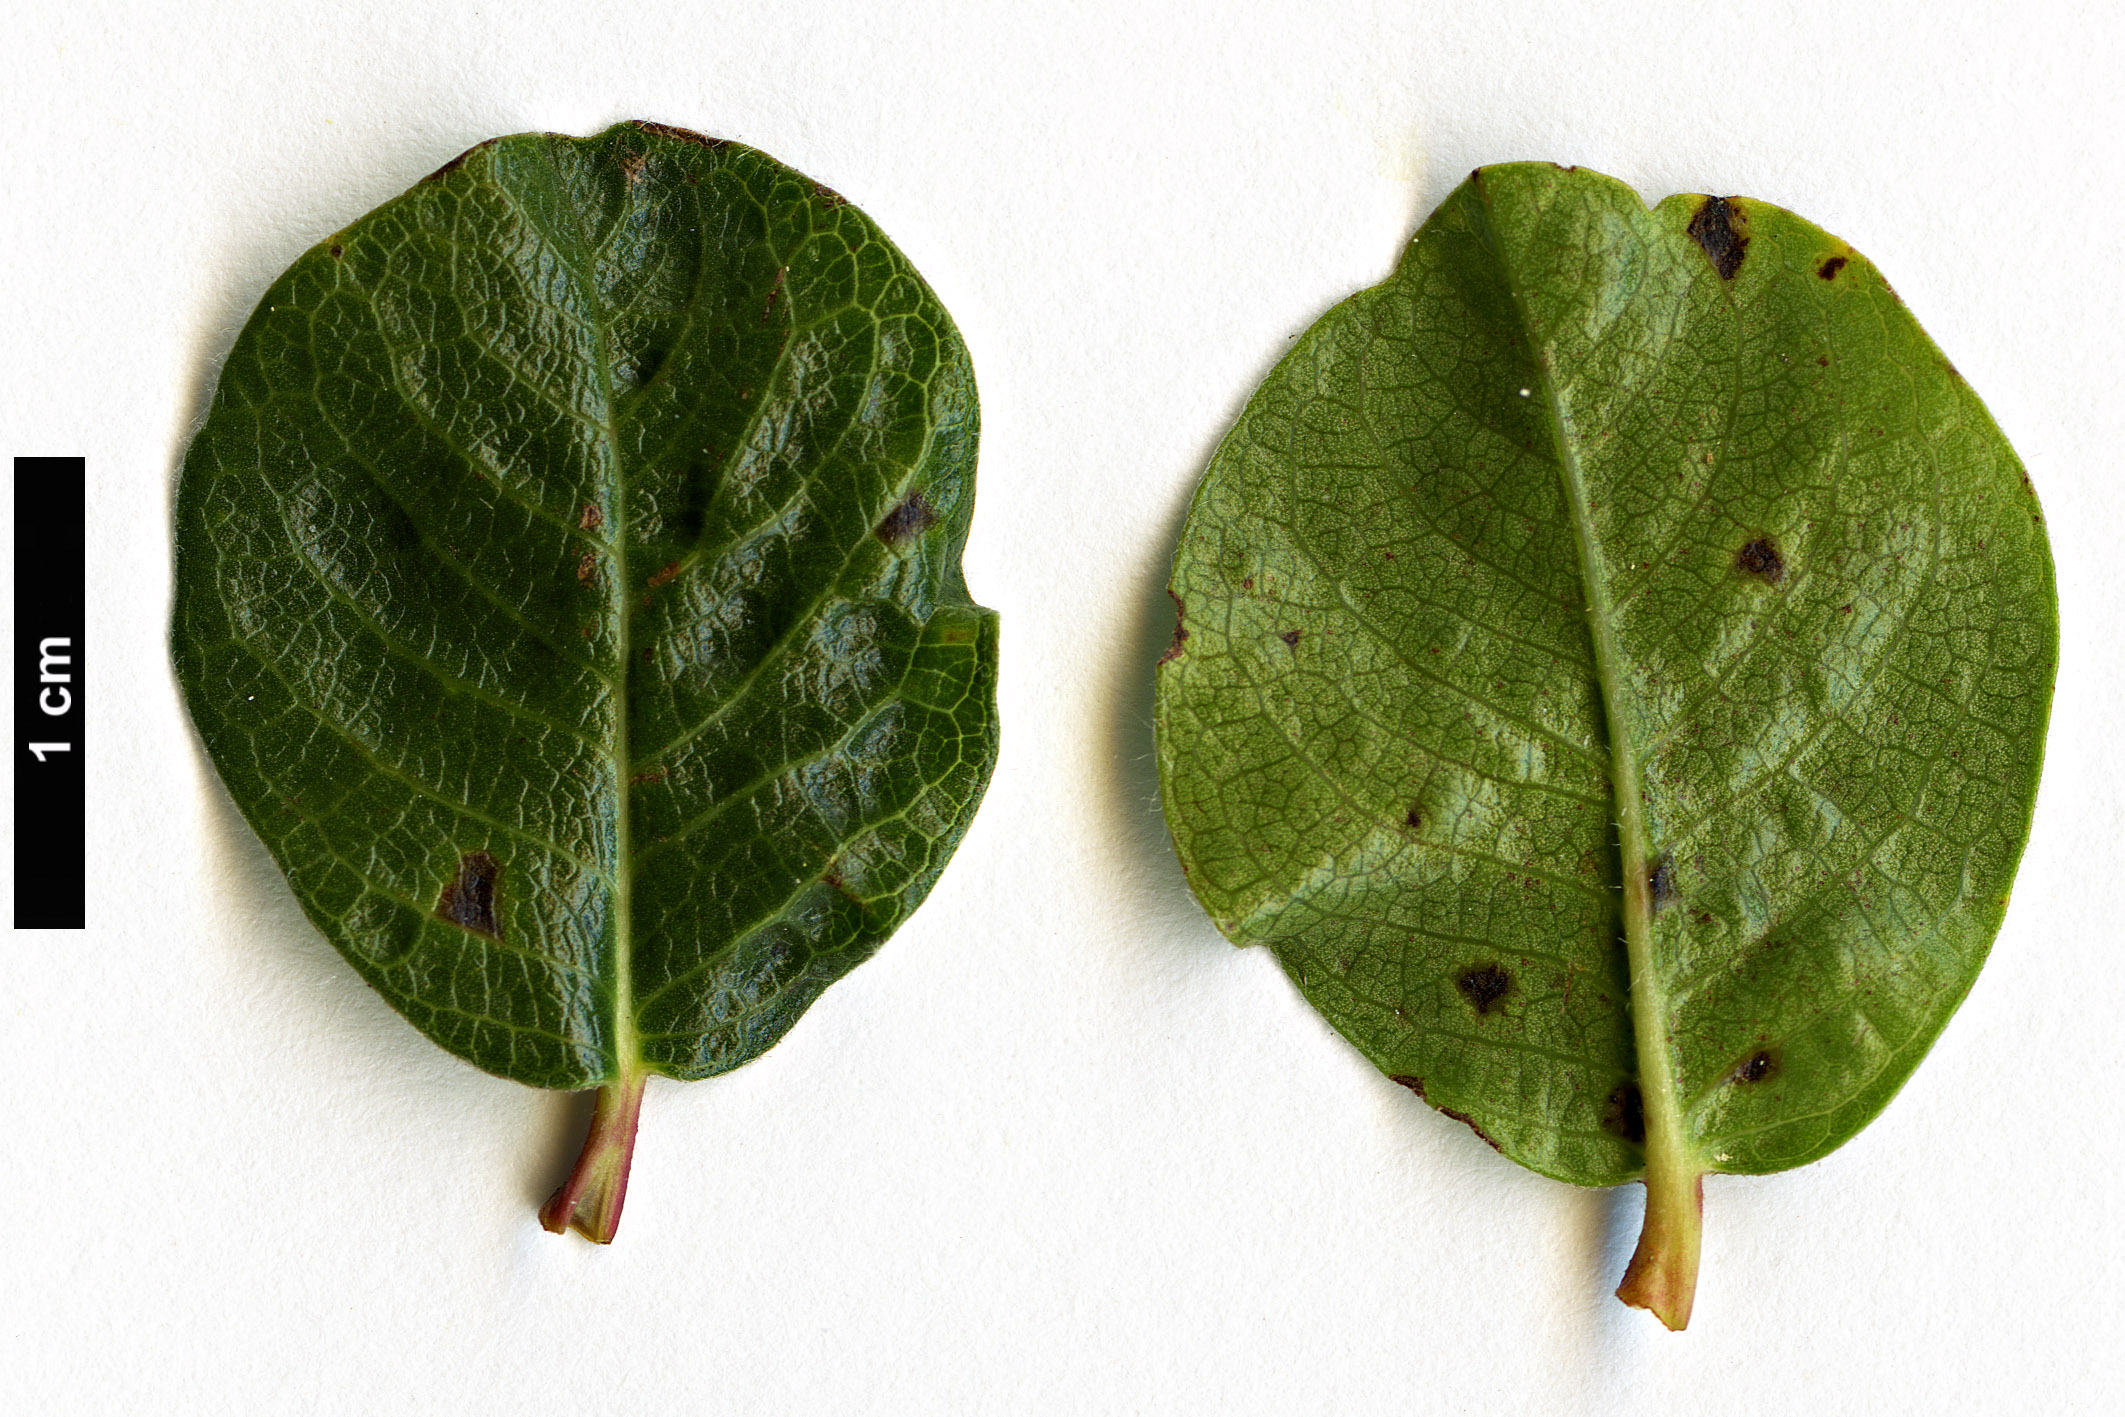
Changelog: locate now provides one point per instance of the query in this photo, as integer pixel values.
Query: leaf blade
(575, 449)
(1388, 742)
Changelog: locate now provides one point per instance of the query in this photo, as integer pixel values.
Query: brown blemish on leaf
(1761, 559)
(1713, 230)
(1756, 1067)
(683, 135)
(652, 776)
(1413, 819)
(470, 898)
(829, 196)
(1470, 1122)
(1484, 985)
(1828, 269)
(633, 164)
(774, 293)
(663, 574)
(1660, 880)
(1247, 584)
(833, 879)
(1290, 637)
(1180, 630)
(591, 519)
(910, 519)
(1624, 1114)
(459, 161)
(587, 568)
(1416, 1085)
(338, 251)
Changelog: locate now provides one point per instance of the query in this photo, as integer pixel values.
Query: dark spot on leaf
(690, 507)
(774, 293)
(1470, 1123)
(1484, 985)
(1756, 1067)
(1415, 1085)
(1290, 637)
(1180, 630)
(1413, 819)
(1828, 269)
(1713, 229)
(587, 568)
(663, 574)
(469, 899)
(338, 250)
(1247, 584)
(1624, 1115)
(683, 135)
(828, 195)
(910, 519)
(592, 517)
(1761, 559)
(653, 775)
(1660, 880)
(643, 369)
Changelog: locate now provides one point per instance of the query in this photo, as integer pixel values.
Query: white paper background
(1059, 1148)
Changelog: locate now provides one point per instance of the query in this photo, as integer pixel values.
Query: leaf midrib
(578, 250)
(1666, 1143)
(626, 1044)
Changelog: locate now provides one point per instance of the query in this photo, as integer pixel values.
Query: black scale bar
(51, 839)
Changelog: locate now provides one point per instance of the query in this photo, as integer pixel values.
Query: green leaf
(568, 591)
(1613, 670)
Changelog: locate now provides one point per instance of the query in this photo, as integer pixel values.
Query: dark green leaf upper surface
(1587, 493)
(568, 592)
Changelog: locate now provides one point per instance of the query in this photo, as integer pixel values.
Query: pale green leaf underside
(568, 592)
(1384, 743)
